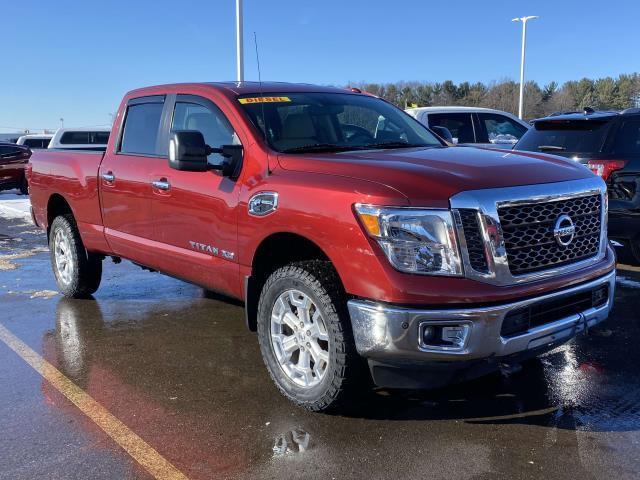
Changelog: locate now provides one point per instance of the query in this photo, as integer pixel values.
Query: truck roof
(247, 87)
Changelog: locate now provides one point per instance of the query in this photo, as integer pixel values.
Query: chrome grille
(529, 239)
(473, 237)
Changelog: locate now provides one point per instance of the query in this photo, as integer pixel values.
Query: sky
(75, 59)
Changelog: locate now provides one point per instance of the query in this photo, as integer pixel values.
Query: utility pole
(524, 21)
(239, 47)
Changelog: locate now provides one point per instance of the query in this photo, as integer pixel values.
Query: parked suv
(473, 126)
(362, 246)
(609, 144)
(13, 159)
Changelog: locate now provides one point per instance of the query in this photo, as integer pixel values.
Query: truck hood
(430, 176)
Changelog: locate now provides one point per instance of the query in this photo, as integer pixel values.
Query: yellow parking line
(140, 450)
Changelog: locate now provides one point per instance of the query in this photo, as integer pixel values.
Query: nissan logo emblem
(564, 230)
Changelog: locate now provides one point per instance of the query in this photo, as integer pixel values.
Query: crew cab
(362, 246)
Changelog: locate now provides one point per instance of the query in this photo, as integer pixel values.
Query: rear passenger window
(459, 124)
(628, 138)
(141, 128)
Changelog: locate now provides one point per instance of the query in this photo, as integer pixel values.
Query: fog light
(445, 337)
(428, 334)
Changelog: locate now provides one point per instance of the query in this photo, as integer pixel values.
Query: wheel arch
(275, 251)
(56, 205)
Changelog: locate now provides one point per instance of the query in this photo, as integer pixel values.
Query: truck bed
(72, 176)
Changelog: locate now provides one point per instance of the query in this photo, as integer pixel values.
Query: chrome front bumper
(391, 334)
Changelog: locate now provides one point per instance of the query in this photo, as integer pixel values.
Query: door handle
(108, 177)
(161, 184)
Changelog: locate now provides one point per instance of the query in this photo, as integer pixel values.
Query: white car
(474, 125)
(35, 141)
(84, 138)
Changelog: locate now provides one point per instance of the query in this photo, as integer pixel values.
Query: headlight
(414, 240)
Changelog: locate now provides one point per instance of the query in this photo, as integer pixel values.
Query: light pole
(61, 122)
(239, 48)
(524, 21)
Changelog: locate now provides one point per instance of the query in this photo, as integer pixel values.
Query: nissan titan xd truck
(363, 247)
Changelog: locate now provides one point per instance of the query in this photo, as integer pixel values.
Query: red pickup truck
(363, 247)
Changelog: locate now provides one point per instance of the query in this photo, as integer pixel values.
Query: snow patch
(15, 206)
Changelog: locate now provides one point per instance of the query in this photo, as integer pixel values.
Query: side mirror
(188, 152)
(444, 133)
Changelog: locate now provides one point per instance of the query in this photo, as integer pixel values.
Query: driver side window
(213, 125)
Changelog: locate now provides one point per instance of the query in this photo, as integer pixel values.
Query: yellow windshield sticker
(264, 100)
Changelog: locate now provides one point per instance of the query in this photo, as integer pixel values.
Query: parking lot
(159, 370)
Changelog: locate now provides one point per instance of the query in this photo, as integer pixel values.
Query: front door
(194, 213)
(125, 181)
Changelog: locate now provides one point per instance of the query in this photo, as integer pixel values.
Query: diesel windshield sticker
(263, 100)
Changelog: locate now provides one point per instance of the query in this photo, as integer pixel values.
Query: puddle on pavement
(7, 262)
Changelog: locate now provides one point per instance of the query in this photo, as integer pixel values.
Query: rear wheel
(78, 272)
(305, 336)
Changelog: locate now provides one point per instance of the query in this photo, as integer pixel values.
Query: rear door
(194, 213)
(459, 124)
(125, 178)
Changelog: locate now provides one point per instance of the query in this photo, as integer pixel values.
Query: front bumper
(390, 335)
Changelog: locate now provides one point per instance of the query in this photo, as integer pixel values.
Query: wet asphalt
(178, 367)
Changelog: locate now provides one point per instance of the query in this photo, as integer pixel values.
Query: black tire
(85, 269)
(345, 369)
(24, 187)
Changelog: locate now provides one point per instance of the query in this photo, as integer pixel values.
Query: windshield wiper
(551, 148)
(320, 147)
(392, 145)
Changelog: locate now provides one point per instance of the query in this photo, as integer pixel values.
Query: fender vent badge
(263, 203)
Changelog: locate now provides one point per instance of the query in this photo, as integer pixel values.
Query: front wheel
(305, 336)
(77, 271)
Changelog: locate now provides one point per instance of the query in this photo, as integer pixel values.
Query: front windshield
(305, 122)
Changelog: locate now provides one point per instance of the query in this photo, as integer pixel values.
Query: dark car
(609, 144)
(13, 160)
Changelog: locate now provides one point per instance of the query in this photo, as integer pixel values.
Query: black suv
(609, 144)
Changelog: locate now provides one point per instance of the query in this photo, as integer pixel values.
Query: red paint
(316, 194)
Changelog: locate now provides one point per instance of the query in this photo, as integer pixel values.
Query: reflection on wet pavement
(179, 368)
(294, 441)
